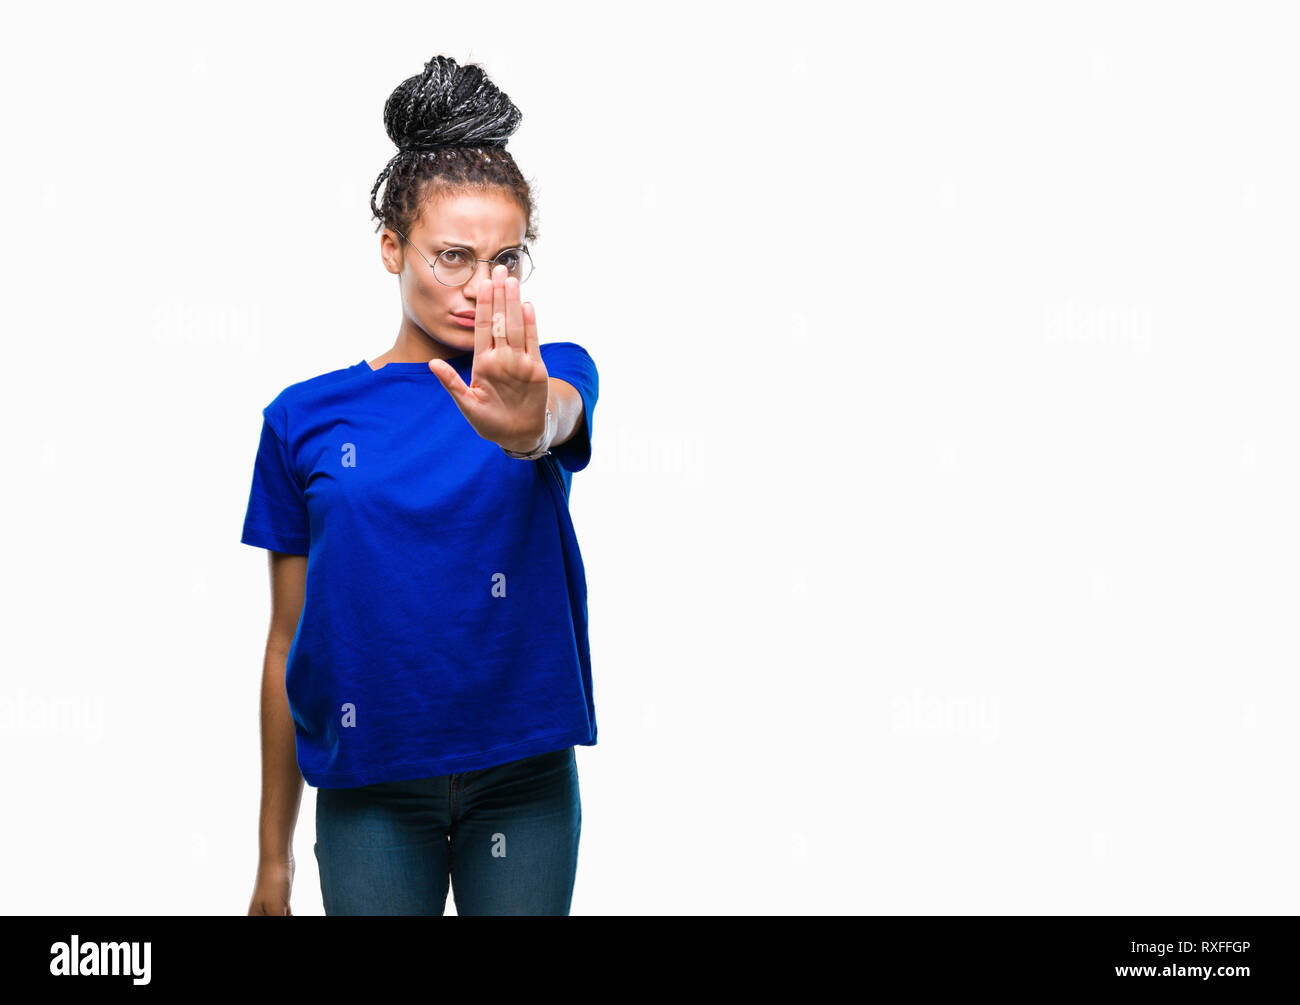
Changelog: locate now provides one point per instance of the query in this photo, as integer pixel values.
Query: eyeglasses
(456, 266)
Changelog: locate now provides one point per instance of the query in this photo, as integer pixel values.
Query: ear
(390, 251)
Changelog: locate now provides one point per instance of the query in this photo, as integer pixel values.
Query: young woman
(427, 666)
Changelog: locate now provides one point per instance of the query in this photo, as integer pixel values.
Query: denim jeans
(506, 837)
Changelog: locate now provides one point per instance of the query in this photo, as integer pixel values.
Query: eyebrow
(461, 244)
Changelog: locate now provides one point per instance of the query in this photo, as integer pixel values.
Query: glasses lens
(456, 266)
(517, 263)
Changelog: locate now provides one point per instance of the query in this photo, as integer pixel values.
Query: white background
(940, 530)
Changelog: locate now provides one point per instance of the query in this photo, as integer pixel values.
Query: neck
(414, 346)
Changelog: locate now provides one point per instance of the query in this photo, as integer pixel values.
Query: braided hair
(450, 124)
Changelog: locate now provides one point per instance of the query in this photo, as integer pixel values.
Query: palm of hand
(505, 400)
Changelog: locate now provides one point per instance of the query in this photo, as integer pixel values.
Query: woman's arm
(566, 407)
(282, 781)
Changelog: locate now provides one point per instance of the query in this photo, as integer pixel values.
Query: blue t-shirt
(444, 627)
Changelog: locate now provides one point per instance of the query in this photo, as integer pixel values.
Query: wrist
(274, 859)
(540, 446)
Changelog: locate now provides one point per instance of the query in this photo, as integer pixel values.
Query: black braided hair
(450, 124)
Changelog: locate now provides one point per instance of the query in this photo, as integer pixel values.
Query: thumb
(450, 379)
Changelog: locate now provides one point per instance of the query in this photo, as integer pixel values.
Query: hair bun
(449, 105)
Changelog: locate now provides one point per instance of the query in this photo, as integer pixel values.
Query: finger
(483, 318)
(530, 330)
(450, 379)
(514, 314)
(499, 328)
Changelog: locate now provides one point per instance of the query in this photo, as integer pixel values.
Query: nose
(473, 281)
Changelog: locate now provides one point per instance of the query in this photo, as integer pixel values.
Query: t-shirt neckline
(407, 367)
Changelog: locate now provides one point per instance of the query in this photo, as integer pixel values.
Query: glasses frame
(492, 262)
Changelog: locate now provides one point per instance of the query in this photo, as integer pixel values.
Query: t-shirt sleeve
(571, 362)
(277, 516)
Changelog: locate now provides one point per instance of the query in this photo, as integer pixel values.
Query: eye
(453, 256)
(510, 259)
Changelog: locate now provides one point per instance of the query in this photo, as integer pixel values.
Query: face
(485, 222)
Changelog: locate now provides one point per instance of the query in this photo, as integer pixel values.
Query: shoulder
(562, 349)
(305, 395)
(565, 359)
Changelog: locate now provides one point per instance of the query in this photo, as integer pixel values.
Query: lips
(465, 314)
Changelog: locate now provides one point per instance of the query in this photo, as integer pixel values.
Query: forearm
(566, 407)
(282, 782)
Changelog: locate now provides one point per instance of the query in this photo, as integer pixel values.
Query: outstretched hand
(505, 400)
